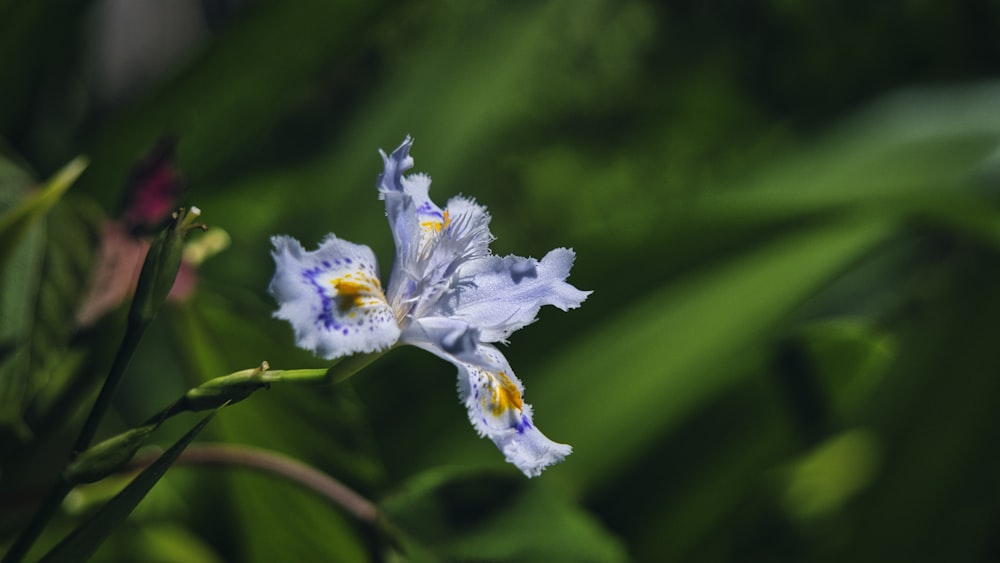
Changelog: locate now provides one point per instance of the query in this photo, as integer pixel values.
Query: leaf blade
(85, 539)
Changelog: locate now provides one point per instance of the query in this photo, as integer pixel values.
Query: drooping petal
(492, 394)
(493, 398)
(332, 297)
(504, 294)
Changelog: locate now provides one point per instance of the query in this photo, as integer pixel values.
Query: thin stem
(22, 544)
(281, 465)
(297, 375)
(263, 460)
(336, 373)
(133, 334)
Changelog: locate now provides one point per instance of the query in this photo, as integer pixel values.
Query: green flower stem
(239, 385)
(159, 270)
(336, 373)
(101, 460)
(24, 541)
(214, 393)
(130, 342)
(309, 375)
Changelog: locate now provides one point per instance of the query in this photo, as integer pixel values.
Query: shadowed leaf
(85, 540)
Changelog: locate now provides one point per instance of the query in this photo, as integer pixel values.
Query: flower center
(505, 395)
(436, 225)
(356, 294)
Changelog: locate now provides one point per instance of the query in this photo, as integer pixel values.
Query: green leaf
(485, 516)
(850, 357)
(824, 479)
(86, 538)
(15, 223)
(913, 151)
(43, 268)
(72, 237)
(155, 541)
(19, 286)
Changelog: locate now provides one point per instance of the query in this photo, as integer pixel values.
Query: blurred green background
(787, 212)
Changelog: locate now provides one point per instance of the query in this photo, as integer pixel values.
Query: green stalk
(157, 277)
(122, 358)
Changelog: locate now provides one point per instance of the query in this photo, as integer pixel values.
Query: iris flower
(446, 294)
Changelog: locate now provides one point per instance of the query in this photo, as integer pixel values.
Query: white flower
(447, 294)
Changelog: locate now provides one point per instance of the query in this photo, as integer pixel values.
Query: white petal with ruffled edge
(493, 398)
(491, 393)
(505, 294)
(413, 217)
(332, 297)
(431, 243)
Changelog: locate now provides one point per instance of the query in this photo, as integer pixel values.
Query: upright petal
(332, 297)
(502, 295)
(467, 235)
(396, 163)
(433, 275)
(399, 206)
(413, 217)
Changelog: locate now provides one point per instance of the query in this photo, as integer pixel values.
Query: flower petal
(332, 297)
(504, 294)
(493, 398)
(467, 231)
(492, 394)
(396, 163)
(451, 339)
(413, 217)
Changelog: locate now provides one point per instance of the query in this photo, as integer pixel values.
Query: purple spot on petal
(326, 315)
(525, 424)
(521, 268)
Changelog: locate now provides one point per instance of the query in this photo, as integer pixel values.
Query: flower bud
(227, 389)
(99, 461)
(160, 267)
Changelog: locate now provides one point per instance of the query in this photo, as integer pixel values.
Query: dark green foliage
(84, 541)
